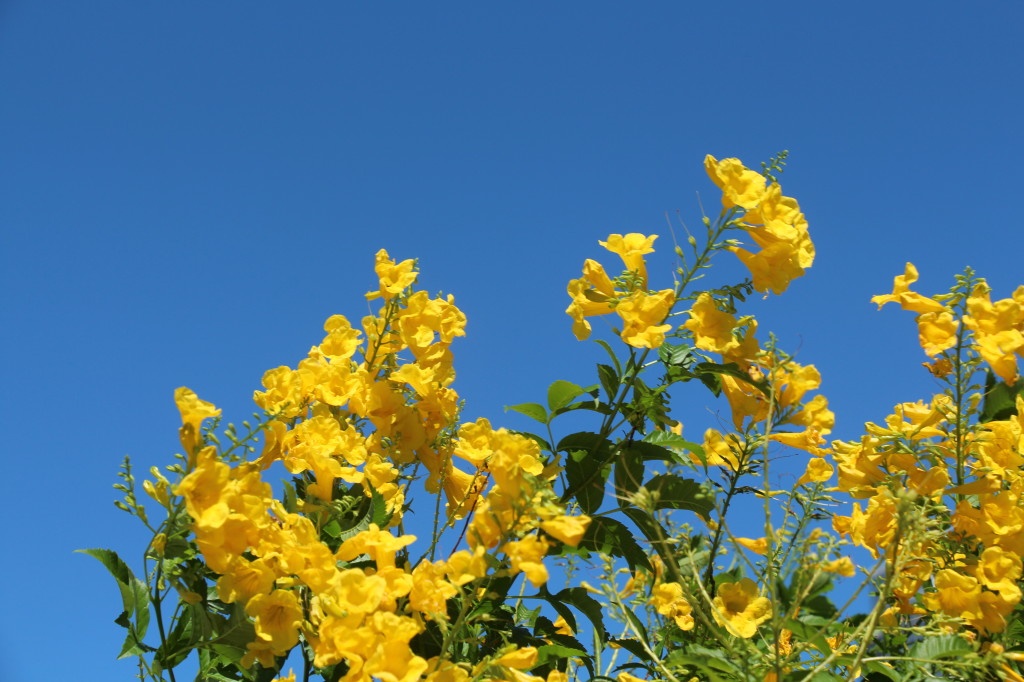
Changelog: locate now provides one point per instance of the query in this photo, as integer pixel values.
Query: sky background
(188, 190)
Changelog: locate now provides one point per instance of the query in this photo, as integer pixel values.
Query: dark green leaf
(586, 468)
(733, 370)
(587, 605)
(611, 537)
(629, 470)
(1000, 398)
(680, 493)
(632, 646)
(531, 410)
(653, 531)
(609, 380)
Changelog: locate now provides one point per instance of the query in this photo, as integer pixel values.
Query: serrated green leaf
(611, 537)
(531, 410)
(561, 393)
(587, 605)
(629, 470)
(632, 646)
(680, 493)
(586, 468)
(942, 646)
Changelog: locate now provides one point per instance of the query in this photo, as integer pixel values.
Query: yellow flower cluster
(362, 407)
(971, 476)
(774, 222)
(643, 312)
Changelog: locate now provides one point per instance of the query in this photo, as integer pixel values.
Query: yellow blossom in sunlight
(956, 595)
(277, 617)
(523, 658)
(739, 608)
(394, 277)
(193, 412)
(568, 529)
(527, 555)
(936, 332)
(642, 316)
(632, 248)
(711, 327)
(772, 268)
(842, 566)
(668, 600)
(818, 470)
(758, 546)
(740, 186)
(719, 450)
(908, 300)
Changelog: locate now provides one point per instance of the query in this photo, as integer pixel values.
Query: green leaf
(549, 652)
(1000, 398)
(609, 380)
(733, 370)
(680, 493)
(611, 537)
(611, 354)
(561, 393)
(587, 605)
(629, 469)
(941, 646)
(134, 599)
(676, 354)
(632, 646)
(531, 410)
(672, 441)
(586, 468)
(653, 531)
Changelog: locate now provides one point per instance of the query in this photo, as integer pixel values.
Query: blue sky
(187, 190)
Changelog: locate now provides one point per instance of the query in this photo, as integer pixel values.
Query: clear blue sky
(188, 189)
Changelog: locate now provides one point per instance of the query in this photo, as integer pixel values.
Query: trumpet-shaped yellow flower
(908, 300)
(668, 600)
(740, 186)
(394, 277)
(739, 608)
(642, 316)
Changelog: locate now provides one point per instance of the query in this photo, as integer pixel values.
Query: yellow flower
(711, 327)
(394, 277)
(193, 412)
(568, 529)
(908, 300)
(642, 315)
(842, 566)
(818, 471)
(739, 609)
(277, 617)
(668, 600)
(758, 546)
(527, 555)
(936, 332)
(740, 186)
(632, 248)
